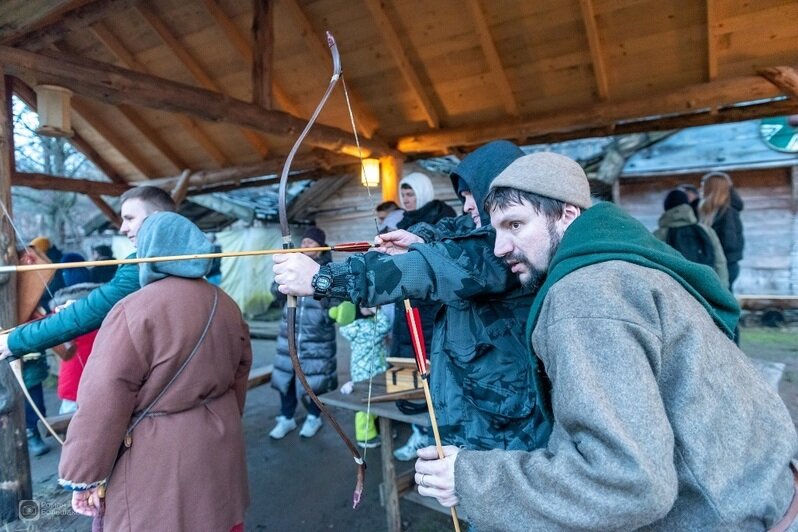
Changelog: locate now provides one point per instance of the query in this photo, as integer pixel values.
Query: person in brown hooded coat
(167, 388)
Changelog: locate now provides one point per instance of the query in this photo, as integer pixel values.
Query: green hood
(605, 232)
(679, 216)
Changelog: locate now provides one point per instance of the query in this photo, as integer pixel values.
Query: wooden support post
(15, 480)
(390, 175)
(390, 495)
(181, 188)
(263, 37)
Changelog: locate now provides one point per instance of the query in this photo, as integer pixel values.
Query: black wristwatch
(321, 283)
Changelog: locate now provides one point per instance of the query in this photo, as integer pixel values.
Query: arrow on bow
(348, 247)
(291, 305)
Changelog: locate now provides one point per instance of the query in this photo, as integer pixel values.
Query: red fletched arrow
(352, 247)
(416, 335)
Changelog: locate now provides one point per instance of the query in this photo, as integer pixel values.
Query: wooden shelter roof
(174, 85)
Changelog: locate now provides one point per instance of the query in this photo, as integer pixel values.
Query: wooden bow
(291, 310)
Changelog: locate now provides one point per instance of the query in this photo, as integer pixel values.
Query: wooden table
(393, 485)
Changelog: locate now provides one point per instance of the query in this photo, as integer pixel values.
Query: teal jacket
(83, 316)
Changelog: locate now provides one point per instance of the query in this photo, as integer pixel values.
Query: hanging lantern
(52, 102)
(370, 173)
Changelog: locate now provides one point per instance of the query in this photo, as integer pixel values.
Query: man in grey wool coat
(659, 421)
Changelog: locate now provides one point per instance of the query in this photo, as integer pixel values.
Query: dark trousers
(734, 272)
(288, 402)
(37, 394)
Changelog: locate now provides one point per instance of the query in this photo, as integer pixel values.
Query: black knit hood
(480, 167)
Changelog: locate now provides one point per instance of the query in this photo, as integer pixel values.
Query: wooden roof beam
(599, 70)
(42, 181)
(263, 37)
(642, 114)
(116, 141)
(712, 43)
(204, 178)
(196, 70)
(312, 174)
(152, 136)
(28, 95)
(114, 85)
(498, 73)
(27, 17)
(366, 120)
(242, 45)
(106, 209)
(123, 55)
(785, 78)
(144, 129)
(409, 74)
(75, 20)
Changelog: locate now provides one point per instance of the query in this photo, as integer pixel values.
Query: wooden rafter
(27, 95)
(114, 139)
(152, 136)
(391, 39)
(142, 128)
(42, 181)
(317, 193)
(785, 78)
(366, 120)
(123, 55)
(642, 114)
(196, 70)
(242, 45)
(205, 178)
(106, 209)
(263, 37)
(114, 85)
(27, 17)
(75, 20)
(594, 42)
(498, 73)
(712, 44)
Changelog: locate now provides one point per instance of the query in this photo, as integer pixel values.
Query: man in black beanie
(482, 384)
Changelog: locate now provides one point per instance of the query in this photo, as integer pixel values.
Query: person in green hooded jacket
(87, 314)
(659, 421)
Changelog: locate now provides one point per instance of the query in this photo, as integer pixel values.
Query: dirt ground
(305, 485)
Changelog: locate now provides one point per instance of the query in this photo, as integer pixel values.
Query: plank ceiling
(424, 76)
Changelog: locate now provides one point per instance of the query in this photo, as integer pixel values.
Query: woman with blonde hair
(720, 209)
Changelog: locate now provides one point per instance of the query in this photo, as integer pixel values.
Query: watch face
(323, 283)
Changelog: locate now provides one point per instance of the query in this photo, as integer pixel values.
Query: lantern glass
(370, 173)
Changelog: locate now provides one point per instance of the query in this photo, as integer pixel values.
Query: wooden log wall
(770, 223)
(348, 214)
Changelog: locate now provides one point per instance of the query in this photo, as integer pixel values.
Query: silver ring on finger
(422, 481)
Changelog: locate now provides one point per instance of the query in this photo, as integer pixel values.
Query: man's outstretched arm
(83, 316)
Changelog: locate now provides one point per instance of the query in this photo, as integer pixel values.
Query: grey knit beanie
(547, 174)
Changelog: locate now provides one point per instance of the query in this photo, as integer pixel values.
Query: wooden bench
(257, 377)
(764, 302)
